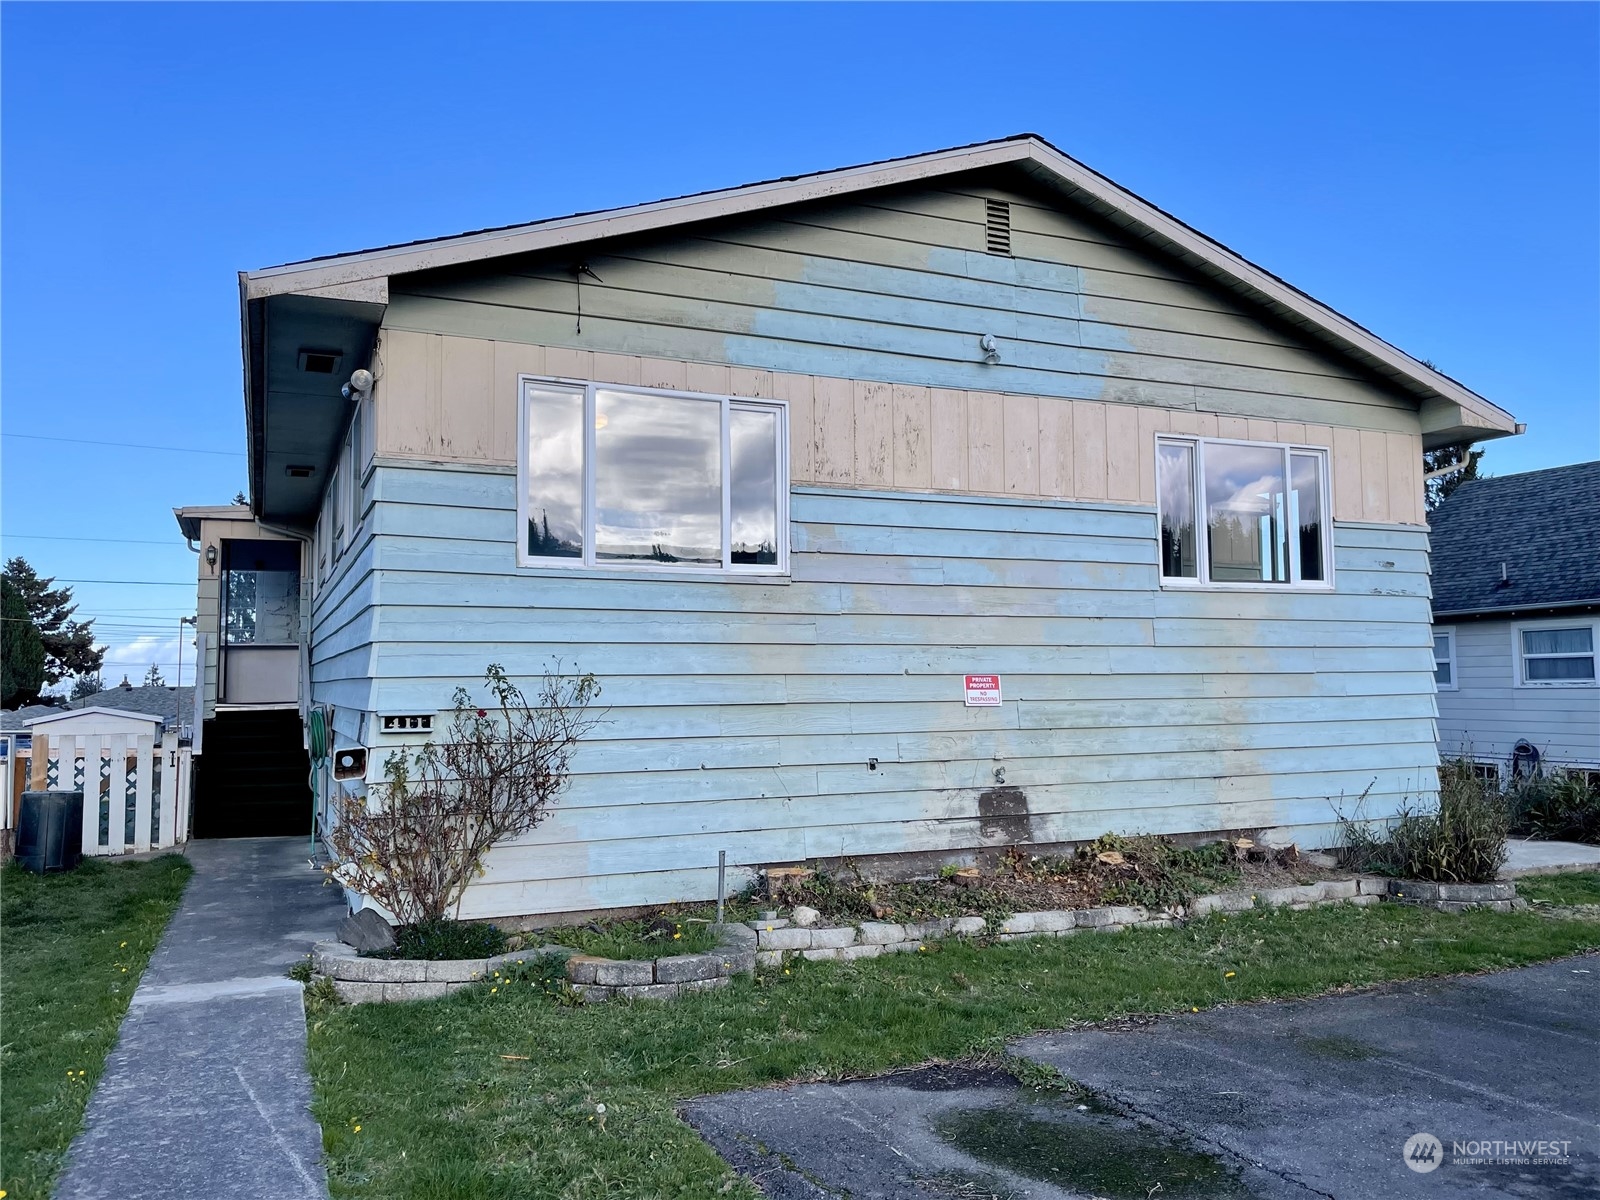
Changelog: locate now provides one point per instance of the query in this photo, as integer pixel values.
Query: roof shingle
(1544, 526)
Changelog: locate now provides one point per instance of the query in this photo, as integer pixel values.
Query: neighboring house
(1516, 612)
(785, 464)
(251, 770)
(174, 705)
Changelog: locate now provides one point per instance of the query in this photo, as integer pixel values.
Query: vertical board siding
(896, 291)
(1486, 714)
(742, 715)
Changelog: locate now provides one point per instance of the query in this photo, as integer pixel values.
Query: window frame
(1202, 580)
(1448, 632)
(587, 561)
(1519, 656)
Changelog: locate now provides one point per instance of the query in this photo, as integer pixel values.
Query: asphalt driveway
(1315, 1098)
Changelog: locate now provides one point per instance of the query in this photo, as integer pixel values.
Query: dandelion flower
(676, 936)
(493, 990)
(124, 946)
(1229, 974)
(786, 970)
(358, 1129)
(1194, 1010)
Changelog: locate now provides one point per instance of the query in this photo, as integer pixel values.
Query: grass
(1564, 890)
(642, 938)
(72, 948)
(490, 1095)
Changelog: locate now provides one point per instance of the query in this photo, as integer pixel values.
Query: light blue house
(906, 512)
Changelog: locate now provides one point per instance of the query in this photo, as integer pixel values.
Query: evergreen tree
(69, 647)
(87, 685)
(152, 677)
(21, 650)
(1438, 490)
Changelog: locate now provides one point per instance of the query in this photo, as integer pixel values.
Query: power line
(130, 582)
(40, 437)
(51, 537)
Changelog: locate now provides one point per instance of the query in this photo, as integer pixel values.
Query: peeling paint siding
(741, 715)
(897, 292)
(1487, 714)
(443, 398)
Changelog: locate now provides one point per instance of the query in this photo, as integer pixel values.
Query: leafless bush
(422, 836)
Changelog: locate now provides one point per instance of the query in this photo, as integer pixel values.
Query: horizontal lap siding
(1486, 715)
(741, 715)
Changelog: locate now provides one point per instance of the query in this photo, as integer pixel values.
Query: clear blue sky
(1429, 170)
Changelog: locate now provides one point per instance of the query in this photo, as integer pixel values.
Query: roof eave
(346, 276)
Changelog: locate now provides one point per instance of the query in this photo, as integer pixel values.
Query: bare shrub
(422, 836)
(1462, 841)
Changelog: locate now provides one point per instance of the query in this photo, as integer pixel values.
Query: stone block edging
(741, 948)
(361, 980)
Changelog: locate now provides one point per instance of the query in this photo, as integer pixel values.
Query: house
(174, 705)
(1516, 619)
(251, 769)
(906, 512)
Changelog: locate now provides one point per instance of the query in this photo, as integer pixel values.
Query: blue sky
(1433, 171)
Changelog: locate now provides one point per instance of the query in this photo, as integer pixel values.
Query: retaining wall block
(968, 926)
(1093, 918)
(734, 934)
(924, 930)
(1413, 889)
(1054, 920)
(784, 939)
(1127, 914)
(686, 968)
(906, 947)
(1204, 906)
(769, 926)
(647, 991)
(1372, 885)
(1339, 889)
(881, 933)
(592, 994)
(834, 938)
(769, 958)
(1158, 923)
(456, 970)
(1366, 901)
(582, 968)
(1017, 923)
(825, 954)
(326, 955)
(352, 992)
(414, 991)
(739, 962)
(624, 973)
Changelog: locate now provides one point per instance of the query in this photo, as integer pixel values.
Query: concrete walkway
(207, 1094)
(1526, 857)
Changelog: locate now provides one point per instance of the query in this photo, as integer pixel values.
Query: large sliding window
(1243, 514)
(628, 477)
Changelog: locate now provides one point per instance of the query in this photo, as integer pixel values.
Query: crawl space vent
(407, 723)
(997, 226)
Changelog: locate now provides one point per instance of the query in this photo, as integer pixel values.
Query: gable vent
(997, 226)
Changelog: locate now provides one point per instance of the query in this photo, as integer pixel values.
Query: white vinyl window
(1246, 515)
(1444, 659)
(1555, 654)
(651, 480)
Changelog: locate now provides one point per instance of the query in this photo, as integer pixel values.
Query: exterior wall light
(211, 556)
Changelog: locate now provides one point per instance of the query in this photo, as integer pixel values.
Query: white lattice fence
(135, 788)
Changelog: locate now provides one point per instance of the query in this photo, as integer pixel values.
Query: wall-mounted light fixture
(211, 556)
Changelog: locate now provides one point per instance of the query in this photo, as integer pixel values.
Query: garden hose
(317, 745)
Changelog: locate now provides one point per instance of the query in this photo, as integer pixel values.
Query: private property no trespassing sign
(983, 691)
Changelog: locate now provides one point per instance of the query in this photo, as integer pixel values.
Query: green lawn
(72, 948)
(1569, 888)
(496, 1094)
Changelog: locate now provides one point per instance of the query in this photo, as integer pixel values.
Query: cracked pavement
(1294, 1100)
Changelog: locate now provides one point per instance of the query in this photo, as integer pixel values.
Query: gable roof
(1544, 526)
(14, 720)
(169, 703)
(362, 277)
(62, 715)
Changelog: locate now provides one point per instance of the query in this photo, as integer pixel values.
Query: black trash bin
(50, 831)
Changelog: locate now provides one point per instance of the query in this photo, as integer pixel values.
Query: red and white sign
(983, 691)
